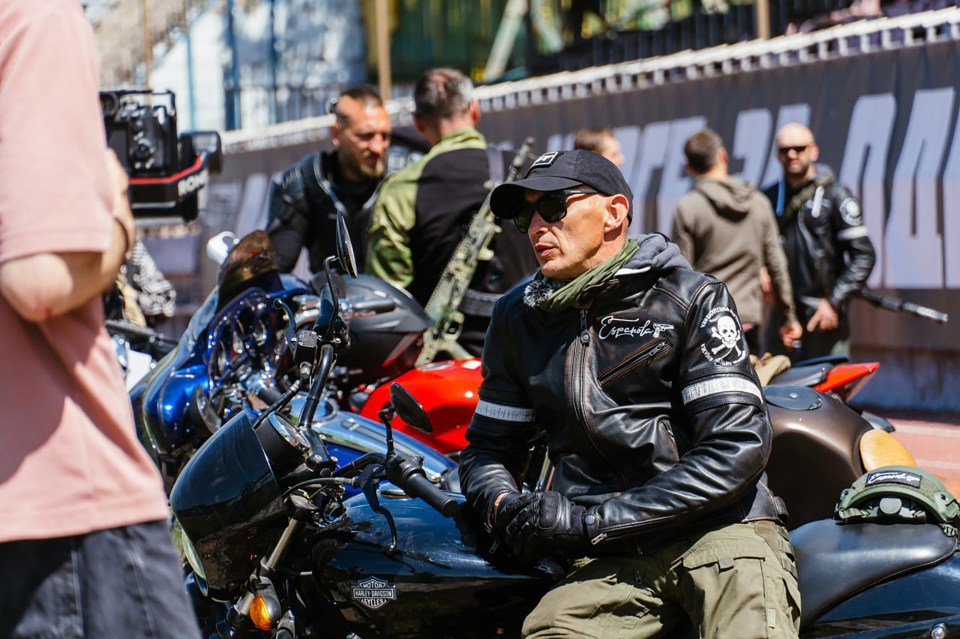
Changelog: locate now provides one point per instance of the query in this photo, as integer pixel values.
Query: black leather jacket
(829, 252)
(303, 211)
(653, 415)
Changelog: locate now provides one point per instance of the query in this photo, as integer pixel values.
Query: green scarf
(564, 297)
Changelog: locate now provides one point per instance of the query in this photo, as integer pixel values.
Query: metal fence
(564, 35)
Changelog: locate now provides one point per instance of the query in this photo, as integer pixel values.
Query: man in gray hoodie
(726, 228)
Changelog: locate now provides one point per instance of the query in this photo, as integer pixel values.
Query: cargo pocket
(783, 582)
(727, 587)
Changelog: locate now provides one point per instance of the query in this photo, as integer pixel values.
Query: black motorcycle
(277, 550)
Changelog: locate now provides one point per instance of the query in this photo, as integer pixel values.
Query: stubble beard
(374, 172)
(367, 171)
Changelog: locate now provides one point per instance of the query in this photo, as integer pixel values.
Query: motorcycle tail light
(264, 611)
(846, 380)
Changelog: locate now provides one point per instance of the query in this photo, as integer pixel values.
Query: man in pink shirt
(85, 548)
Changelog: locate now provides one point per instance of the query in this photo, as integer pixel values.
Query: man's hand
(550, 523)
(825, 318)
(505, 508)
(790, 333)
(766, 284)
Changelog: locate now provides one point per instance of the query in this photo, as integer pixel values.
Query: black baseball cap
(558, 170)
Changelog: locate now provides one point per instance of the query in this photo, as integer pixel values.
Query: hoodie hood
(729, 196)
(655, 253)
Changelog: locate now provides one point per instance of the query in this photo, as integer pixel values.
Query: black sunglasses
(796, 149)
(552, 207)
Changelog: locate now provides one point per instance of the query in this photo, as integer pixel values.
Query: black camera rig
(166, 170)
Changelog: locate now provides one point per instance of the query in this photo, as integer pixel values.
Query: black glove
(506, 509)
(549, 524)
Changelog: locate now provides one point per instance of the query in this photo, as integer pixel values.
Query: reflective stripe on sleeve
(503, 412)
(714, 385)
(852, 233)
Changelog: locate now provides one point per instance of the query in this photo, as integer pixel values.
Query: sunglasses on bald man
(552, 207)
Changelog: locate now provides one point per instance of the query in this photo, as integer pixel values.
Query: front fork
(238, 623)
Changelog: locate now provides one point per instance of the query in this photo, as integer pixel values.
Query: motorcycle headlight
(187, 550)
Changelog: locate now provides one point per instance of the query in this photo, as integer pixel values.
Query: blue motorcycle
(236, 356)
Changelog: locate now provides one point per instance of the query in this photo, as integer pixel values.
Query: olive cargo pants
(734, 582)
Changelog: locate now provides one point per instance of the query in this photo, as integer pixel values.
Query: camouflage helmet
(899, 493)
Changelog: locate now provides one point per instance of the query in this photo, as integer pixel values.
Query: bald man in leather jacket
(829, 253)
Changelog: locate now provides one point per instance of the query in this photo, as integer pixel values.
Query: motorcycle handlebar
(384, 305)
(414, 482)
(133, 330)
(269, 396)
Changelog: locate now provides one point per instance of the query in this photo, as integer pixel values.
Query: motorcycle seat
(836, 561)
(802, 376)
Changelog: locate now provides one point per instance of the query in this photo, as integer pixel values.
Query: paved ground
(933, 440)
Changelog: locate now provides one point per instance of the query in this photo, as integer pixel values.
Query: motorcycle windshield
(228, 503)
(250, 263)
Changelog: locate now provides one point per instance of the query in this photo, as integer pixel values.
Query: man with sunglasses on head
(305, 200)
(633, 369)
(829, 253)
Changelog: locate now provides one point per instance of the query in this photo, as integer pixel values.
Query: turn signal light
(264, 612)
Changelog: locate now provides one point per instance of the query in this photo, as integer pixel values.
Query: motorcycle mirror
(250, 258)
(218, 246)
(409, 409)
(348, 262)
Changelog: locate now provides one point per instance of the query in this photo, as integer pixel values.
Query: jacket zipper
(579, 374)
(644, 355)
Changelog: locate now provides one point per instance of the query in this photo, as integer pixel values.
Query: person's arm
(502, 428)
(853, 240)
(775, 263)
(59, 248)
(388, 254)
(288, 223)
(682, 233)
(46, 285)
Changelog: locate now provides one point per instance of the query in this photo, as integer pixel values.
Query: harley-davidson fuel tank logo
(373, 592)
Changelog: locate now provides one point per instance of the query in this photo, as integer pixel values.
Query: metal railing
(850, 39)
(857, 37)
(623, 30)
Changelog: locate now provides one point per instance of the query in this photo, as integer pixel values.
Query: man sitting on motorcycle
(635, 367)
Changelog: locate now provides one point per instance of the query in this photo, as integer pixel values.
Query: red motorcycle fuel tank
(447, 390)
